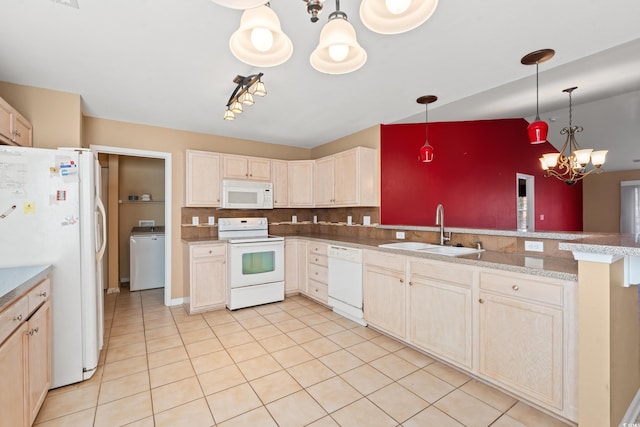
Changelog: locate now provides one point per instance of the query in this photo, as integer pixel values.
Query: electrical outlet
(533, 246)
(399, 234)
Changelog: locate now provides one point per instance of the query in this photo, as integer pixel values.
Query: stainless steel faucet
(440, 222)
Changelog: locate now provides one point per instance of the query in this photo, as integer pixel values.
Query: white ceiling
(167, 63)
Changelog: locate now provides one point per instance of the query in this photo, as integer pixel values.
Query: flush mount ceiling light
(395, 16)
(260, 40)
(572, 168)
(538, 129)
(426, 151)
(338, 51)
(243, 94)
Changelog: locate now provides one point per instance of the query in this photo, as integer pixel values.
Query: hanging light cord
(538, 96)
(426, 122)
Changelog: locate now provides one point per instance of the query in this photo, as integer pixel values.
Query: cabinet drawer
(317, 249)
(12, 317)
(205, 251)
(318, 259)
(318, 272)
(386, 261)
(449, 272)
(39, 294)
(517, 286)
(318, 290)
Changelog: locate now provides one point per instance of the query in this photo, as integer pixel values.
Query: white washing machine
(146, 258)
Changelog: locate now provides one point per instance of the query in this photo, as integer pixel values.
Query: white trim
(591, 257)
(168, 189)
(178, 301)
(629, 183)
(113, 290)
(633, 412)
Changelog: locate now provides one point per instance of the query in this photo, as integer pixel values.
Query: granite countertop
(17, 281)
(609, 244)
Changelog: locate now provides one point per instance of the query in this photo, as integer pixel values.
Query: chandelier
(426, 151)
(260, 41)
(243, 94)
(572, 168)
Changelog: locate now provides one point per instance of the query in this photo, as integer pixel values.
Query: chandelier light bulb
(338, 52)
(262, 39)
(397, 7)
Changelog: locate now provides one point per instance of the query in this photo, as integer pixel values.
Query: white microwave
(247, 194)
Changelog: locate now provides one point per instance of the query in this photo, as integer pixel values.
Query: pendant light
(338, 51)
(260, 40)
(240, 4)
(538, 129)
(395, 16)
(426, 151)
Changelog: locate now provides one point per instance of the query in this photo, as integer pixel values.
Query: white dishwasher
(345, 282)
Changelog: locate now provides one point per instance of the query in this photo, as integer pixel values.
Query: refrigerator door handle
(100, 252)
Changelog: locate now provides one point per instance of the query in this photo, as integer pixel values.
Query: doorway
(525, 202)
(100, 149)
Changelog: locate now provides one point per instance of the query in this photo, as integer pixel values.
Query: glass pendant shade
(258, 89)
(335, 35)
(598, 157)
(426, 153)
(387, 17)
(240, 4)
(246, 99)
(538, 131)
(236, 107)
(260, 41)
(551, 160)
(228, 115)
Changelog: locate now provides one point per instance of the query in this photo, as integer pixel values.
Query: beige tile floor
(293, 363)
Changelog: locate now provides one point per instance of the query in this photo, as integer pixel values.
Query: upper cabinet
(301, 183)
(348, 178)
(280, 179)
(203, 178)
(243, 167)
(14, 128)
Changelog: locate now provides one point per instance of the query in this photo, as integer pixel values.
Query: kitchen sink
(410, 246)
(431, 248)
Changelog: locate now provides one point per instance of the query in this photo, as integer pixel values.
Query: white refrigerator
(630, 208)
(52, 211)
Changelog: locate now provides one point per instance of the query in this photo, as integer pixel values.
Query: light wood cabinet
(14, 128)
(385, 292)
(317, 271)
(243, 167)
(348, 178)
(280, 179)
(524, 339)
(207, 276)
(440, 310)
(301, 183)
(291, 267)
(25, 356)
(202, 179)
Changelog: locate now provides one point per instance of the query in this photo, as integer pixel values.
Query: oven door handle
(254, 244)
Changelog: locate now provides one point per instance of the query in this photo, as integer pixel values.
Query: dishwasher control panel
(345, 253)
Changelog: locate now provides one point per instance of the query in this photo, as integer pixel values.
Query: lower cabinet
(385, 290)
(291, 267)
(206, 276)
(317, 272)
(25, 357)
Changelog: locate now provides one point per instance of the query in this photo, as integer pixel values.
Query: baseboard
(633, 412)
(113, 290)
(177, 301)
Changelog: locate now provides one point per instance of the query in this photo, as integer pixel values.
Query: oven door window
(258, 262)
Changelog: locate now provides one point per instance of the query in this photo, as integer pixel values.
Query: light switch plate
(399, 234)
(533, 246)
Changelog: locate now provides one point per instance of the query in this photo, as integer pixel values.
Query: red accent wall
(473, 175)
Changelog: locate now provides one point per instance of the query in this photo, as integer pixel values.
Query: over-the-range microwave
(247, 194)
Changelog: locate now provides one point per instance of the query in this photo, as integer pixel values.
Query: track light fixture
(243, 94)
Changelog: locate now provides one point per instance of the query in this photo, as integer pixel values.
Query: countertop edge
(39, 273)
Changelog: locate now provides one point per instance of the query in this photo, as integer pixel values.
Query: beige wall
(365, 138)
(56, 116)
(601, 200)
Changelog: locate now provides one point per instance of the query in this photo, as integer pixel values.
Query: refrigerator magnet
(29, 207)
(61, 195)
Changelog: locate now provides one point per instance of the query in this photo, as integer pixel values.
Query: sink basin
(431, 248)
(410, 246)
(451, 250)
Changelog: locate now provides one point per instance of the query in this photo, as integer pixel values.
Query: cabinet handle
(30, 333)
(401, 280)
(16, 133)
(36, 329)
(316, 273)
(481, 301)
(18, 318)
(210, 251)
(410, 283)
(316, 259)
(43, 294)
(515, 287)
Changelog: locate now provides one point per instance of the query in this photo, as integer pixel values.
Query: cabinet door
(324, 182)
(22, 131)
(39, 351)
(346, 177)
(6, 117)
(440, 319)
(12, 379)
(302, 267)
(235, 167)
(521, 347)
(203, 178)
(301, 183)
(259, 169)
(208, 279)
(279, 174)
(385, 300)
(290, 266)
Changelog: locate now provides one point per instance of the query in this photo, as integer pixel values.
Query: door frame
(167, 202)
